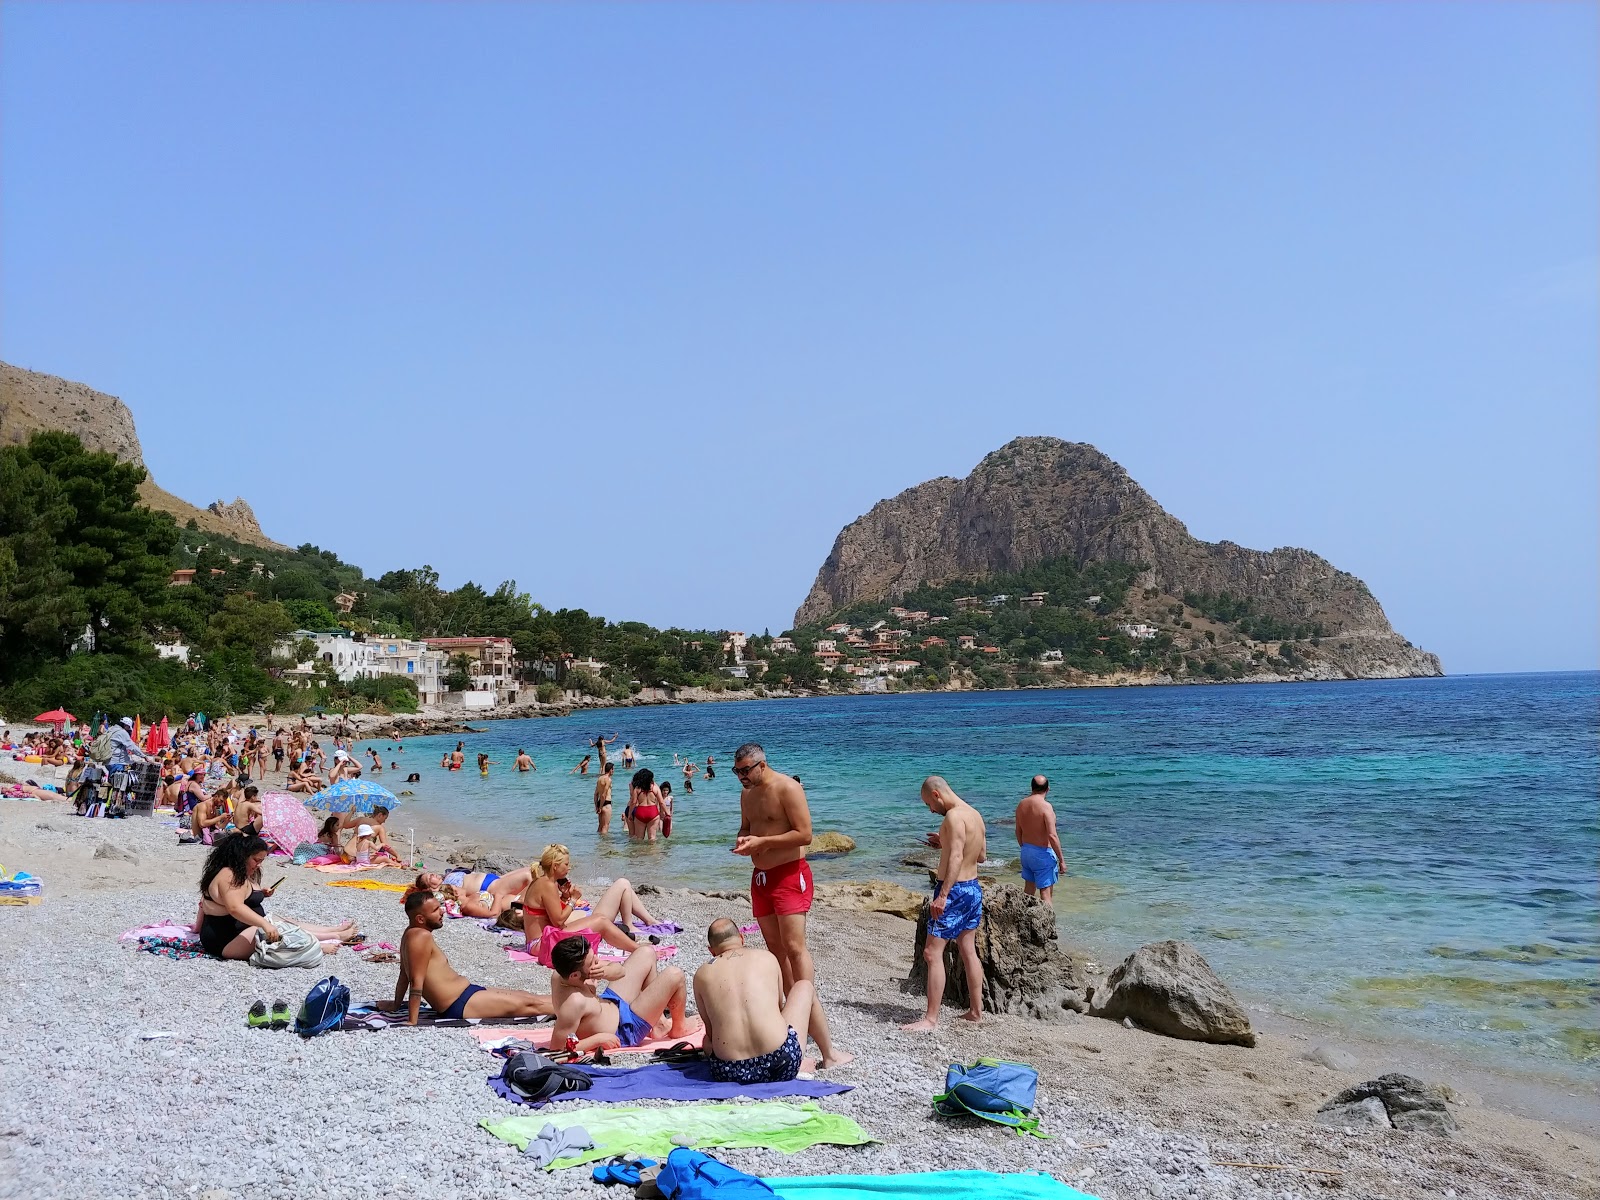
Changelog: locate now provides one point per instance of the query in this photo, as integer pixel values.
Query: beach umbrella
(56, 716)
(353, 795)
(286, 821)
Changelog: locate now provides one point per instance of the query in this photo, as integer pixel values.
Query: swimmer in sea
(484, 763)
(628, 756)
(583, 767)
(524, 763)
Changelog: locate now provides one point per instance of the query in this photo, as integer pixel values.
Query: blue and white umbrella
(353, 795)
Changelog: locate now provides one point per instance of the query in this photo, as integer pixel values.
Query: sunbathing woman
(549, 912)
(231, 914)
(479, 889)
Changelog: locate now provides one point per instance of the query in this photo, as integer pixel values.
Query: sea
(1415, 856)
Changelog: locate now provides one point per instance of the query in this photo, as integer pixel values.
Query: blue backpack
(325, 1007)
(994, 1089)
(693, 1175)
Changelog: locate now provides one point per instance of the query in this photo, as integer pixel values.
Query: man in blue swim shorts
(1042, 860)
(956, 910)
(426, 974)
(606, 1004)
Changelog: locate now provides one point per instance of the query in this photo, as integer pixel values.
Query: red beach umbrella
(56, 716)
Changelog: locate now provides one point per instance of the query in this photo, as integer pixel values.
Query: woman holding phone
(232, 913)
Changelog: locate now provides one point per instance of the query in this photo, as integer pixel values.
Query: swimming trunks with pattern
(780, 1066)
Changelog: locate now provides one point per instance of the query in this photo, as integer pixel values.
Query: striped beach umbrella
(353, 795)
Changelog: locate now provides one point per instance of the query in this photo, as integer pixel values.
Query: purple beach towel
(672, 1081)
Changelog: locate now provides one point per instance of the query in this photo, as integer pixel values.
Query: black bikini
(217, 932)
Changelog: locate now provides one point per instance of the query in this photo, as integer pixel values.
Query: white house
(175, 650)
(785, 645)
(1140, 632)
(1050, 656)
(413, 661)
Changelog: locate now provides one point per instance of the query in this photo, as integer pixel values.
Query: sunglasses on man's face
(741, 772)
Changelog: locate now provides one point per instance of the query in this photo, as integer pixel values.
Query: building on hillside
(989, 649)
(414, 661)
(491, 662)
(175, 650)
(1140, 632)
(841, 628)
(1050, 657)
(184, 576)
(997, 601)
(827, 644)
(1092, 601)
(967, 603)
(1035, 599)
(783, 645)
(345, 601)
(902, 666)
(734, 647)
(937, 620)
(967, 641)
(338, 649)
(928, 643)
(829, 658)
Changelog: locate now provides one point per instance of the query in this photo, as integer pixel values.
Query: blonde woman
(549, 910)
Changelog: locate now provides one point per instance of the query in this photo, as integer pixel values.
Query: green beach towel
(769, 1125)
(969, 1185)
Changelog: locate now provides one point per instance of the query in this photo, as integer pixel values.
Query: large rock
(872, 896)
(1168, 988)
(1407, 1102)
(1358, 1114)
(831, 843)
(1025, 971)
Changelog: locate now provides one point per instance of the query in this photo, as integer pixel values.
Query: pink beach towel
(522, 956)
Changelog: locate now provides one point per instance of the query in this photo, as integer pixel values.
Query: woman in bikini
(549, 911)
(644, 806)
(232, 916)
(476, 890)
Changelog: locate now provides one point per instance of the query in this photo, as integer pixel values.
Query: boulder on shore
(873, 895)
(1025, 971)
(1168, 988)
(831, 843)
(1407, 1103)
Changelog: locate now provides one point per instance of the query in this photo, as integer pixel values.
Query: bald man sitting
(753, 1035)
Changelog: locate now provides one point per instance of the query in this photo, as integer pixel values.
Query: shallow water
(1411, 854)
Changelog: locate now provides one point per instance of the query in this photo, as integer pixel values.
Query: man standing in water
(774, 831)
(602, 799)
(1042, 860)
(957, 901)
(524, 763)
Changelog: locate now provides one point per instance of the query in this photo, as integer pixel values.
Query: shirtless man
(602, 798)
(628, 756)
(752, 1034)
(957, 900)
(774, 831)
(248, 816)
(524, 763)
(426, 974)
(610, 1004)
(1042, 860)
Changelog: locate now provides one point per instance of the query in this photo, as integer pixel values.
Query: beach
(128, 1074)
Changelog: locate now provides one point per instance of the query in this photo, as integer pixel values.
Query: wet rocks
(1407, 1103)
(1025, 970)
(830, 843)
(1168, 988)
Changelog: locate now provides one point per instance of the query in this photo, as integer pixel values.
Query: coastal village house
(492, 663)
(355, 658)
(783, 645)
(1140, 632)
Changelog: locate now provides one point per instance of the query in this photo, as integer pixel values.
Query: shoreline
(1134, 1114)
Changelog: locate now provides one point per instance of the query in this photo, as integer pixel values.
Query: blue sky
(639, 305)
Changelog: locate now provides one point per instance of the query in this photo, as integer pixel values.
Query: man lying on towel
(428, 975)
(606, 1004)
(753, 1033)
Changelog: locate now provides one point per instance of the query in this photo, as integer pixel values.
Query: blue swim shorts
(1039, 866)
(632, 1029)
(963, 910)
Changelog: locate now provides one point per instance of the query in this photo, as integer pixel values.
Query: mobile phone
(274, 887)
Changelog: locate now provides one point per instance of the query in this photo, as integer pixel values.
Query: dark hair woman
(643, 817)
(231, 913)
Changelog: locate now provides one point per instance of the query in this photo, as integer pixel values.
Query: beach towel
(365, 1016)
(969, 1185)
(167, 928)
(173, 947)
(766, 1124)
(539, 1039)
(371, 885)
(522, 956)
(660, 929)
(669, 1081)
(337, 868)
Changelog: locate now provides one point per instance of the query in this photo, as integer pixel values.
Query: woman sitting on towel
(231, 913)
(549, 913)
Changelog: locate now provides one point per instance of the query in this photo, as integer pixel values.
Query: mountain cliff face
(1040, 498)
(30, 402)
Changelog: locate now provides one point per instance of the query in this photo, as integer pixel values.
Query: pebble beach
(125, 1074)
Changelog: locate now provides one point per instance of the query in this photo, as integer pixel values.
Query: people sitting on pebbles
(232, 910)
(754, 1034)
(605, 1004)
(550, 908)
(426, 974)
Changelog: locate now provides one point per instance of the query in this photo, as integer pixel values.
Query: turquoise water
(1417, 855)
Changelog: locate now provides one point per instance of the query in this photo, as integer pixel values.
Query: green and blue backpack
(995, 1090)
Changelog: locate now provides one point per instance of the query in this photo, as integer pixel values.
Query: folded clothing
(670, 1081)
(970, 1185)
(766, 1124)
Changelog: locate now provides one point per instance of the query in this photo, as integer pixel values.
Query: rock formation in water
(30, 402)
(1038, 498)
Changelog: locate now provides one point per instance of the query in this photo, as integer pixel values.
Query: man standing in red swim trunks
(774, 831)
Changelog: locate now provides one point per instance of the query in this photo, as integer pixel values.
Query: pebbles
(130, 1075)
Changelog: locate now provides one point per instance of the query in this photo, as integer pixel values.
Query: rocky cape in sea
(1039, 498)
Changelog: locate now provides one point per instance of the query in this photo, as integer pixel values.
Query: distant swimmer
(628, 756)
(1042, 860)
(688, 777)
(458, 756)
(710, 772)
(602, 799)
(484, 763)
(600, 743)
(583, 767)
(524, 763)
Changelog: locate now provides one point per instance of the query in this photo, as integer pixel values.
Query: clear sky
(639, 305)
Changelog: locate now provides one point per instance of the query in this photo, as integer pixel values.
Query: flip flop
(257, 1017)
(624, 1169)
(280, 1014)
(680, 1052)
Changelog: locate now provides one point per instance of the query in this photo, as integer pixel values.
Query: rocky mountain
(30, 401)
(1039, 498)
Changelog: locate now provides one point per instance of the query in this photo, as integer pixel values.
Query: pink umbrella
(286, 820)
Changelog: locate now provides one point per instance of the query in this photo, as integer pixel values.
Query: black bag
(536, 1079)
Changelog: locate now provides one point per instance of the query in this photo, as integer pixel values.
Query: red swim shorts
(783, 889)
